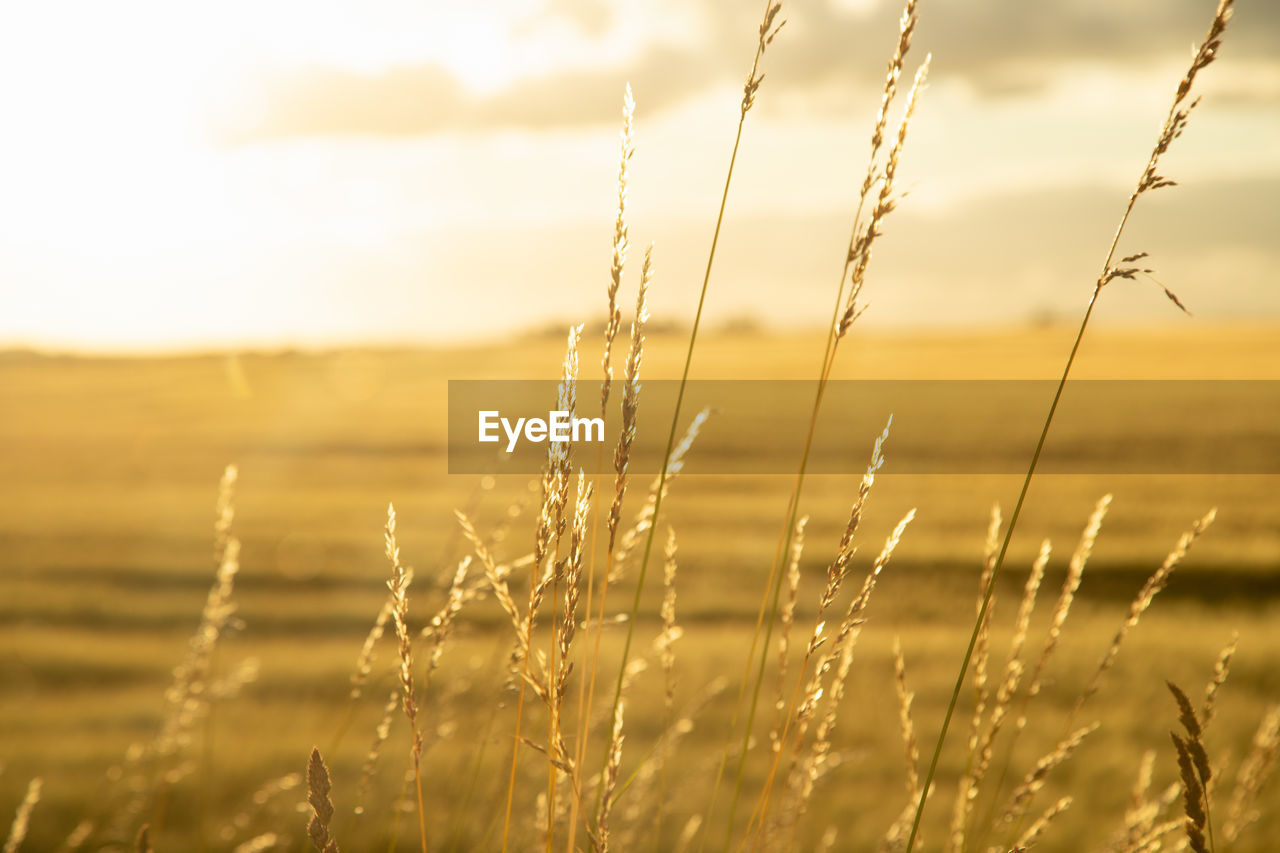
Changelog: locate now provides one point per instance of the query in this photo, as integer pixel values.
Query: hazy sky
(267, 173)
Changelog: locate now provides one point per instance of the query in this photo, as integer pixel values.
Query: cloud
(1000, 46)
(997, 47)
(427, 99)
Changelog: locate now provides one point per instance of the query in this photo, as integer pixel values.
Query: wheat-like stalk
(1075, 571)
(1194, 797)
(1196, 774)
(1008, 687)
(609, 783)
(187, 695)
(856, 258)
(259, 843)
(22, 818)
(256, 805)
(800, 706)
(885, 201)
(643, 523)
(1034, 781)
(1028, 838)
(1253, 774)
(1141, 815)
(1173, 127)
(318, 788)
(905, 699)
(399, 586)
(1061, 609)
(805, 772)
(621, 463)
(550, 524)
(769, 27)
(967, 790)
(664, 646)
(1221, 668)
(380, 734)
(613, 319)
(787, 621)
(364, 661)
(1140, 603)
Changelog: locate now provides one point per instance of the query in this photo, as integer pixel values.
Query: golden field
(111, 468)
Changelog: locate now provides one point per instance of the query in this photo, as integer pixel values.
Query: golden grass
(318, 788)
(490, 649)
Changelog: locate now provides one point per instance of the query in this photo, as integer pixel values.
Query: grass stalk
(613, 321)
(766, 33)
(1175, 123)
(853, 271)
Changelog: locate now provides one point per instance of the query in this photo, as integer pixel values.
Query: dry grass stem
(784, 634)
(905, 699)
(1195, 772)
(799, 710)
(381, 732)
(1254, 772)
(805, 771)
(549, 526)
(1221, 668)
(399, 586)
(967, 791)
(1034, 780)
(857, 256)
(1145, 596)
(609, 785)
(613, 320)
(769, 28)
(630, 398)
(1028, 838)
(860, 249)
(671, 632)
(643, 522)
(259, 843)
(318, 788)
(1174, 125)
(187, 696)
(22, 818)
(1194, 797)
(573, 586)
(1075, 571)
(364, 661)
(1008, 687)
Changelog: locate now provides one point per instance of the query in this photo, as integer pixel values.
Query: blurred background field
(110, 468)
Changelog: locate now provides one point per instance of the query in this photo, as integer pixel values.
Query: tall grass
(637, 796)
(768, 30)
(879, 176)
(1174, 124)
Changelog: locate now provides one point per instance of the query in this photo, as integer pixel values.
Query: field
(111, 471)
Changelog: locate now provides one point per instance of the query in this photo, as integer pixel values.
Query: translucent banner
(939, 426)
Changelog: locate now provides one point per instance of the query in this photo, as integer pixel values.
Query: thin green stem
(784, 544)
(995, 571)
(675, 416)
(1013, 522)
(775, 596)
(793, 509)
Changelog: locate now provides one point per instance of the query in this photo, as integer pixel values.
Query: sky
(327, 173)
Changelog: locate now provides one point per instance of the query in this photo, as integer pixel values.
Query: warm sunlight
(639, 425)
(278, 173)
